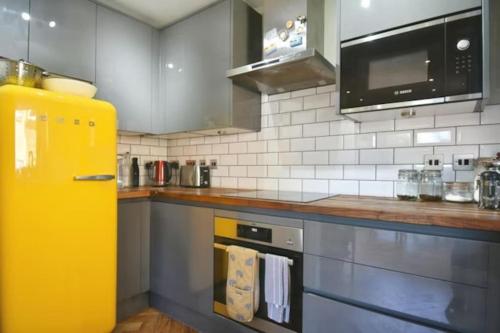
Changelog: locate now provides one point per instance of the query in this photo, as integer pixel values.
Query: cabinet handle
(94, 178)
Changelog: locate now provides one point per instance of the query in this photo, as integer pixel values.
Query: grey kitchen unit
(133, 256)
(62, 37)
(195, 55)
(14, 29)
(392, 277)
(378, 15)
(127, 68)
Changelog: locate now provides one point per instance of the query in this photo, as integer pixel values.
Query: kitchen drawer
(453, 305)
(322, 315)
(450, 259)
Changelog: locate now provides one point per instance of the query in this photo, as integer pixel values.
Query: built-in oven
(280, 240)
(431, 62)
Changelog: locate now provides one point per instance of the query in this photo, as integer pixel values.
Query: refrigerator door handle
(94, 178)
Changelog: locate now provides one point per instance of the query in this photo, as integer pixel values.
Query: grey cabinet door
(14, 28)
(133, 249)
(360, 18)
(62, 37)
(124, 68)
(195, 55)
(323, 315)
(182, 255)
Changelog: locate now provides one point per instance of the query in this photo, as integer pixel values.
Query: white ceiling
(161, 13)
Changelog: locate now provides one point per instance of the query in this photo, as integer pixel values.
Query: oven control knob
(463, 44)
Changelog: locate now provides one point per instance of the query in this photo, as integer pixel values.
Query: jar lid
(436, 173)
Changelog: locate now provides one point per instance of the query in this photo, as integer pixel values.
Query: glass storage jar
(407, 185)
(431, 185)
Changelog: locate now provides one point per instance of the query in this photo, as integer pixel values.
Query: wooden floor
(152, 321)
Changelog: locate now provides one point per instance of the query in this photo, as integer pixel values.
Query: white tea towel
(277, 288)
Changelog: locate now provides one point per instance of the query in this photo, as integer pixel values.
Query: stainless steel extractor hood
(292, 46)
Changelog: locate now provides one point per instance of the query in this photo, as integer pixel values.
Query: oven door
(260, 322)
(398, 68)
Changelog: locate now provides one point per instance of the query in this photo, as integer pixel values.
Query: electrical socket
(203, 162)
(433, 162)
(213, 164)
(464, 162)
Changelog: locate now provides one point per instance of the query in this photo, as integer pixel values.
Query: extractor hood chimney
(292, 45)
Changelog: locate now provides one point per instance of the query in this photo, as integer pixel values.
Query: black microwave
(432, 62)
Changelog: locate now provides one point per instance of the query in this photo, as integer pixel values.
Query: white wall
(305, 146)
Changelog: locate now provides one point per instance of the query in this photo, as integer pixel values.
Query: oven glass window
(398, 70)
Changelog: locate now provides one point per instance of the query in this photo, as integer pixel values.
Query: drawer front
(453, 305)
(322, 315)
(450, 259)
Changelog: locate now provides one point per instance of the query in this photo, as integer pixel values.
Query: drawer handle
(94, 178)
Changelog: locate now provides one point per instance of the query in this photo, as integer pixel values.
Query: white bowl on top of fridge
(69, 86)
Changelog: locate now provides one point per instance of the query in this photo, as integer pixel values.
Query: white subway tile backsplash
(290, 158)
(465, 176)
(376, 188)
(344, 157)
(278, 171)
(305, 146)
(123, 148)
(290, 185)
(395, 139)
(411, 155)
(435, 137)
(290, 132)
(361, 172)
(302, 171)
(316, 129)
(344, 127)
(359, 141)
(491, 115)
(414, 123)
(347, 187)
(290, 105)
(315, 185)
(131, 140)
(458, 119)
(483, 134)
(376, 156)
(303, 117)
(377, 126)
(315, 158)
(316, 101)
(278, 145)
(329, 142)
(257, 147)
(147, 141)
(141, 150)
(329, 171)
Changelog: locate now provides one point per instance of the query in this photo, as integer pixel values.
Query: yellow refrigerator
(58, 204)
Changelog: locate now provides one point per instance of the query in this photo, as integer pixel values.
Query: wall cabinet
(182, 255)
(62, 37)
(14, 29)
(195, 55)
(133, 248)
(494, 11)
(378, 15)
(126, 63)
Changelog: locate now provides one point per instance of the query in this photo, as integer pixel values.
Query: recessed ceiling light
(170, 65)
(52, 24)
(365, 3)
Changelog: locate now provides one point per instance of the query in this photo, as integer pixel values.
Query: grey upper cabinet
(133, 248)
(194, 56)
(62, 37)
(182, 255)
(14, 29)
(126, 60)
(360, 18)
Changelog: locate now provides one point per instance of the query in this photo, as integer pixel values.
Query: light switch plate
(464, 162)
(433, 162)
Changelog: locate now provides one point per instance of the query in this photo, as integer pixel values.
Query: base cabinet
(133, 256)
(182, 255)
(322, 315)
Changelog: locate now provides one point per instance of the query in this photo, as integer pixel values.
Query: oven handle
(260, 255)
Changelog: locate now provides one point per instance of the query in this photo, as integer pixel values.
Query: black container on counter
(134, 172)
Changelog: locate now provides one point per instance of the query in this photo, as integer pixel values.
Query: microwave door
(394, 69)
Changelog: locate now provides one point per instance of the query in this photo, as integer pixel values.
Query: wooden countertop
(444, 214)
